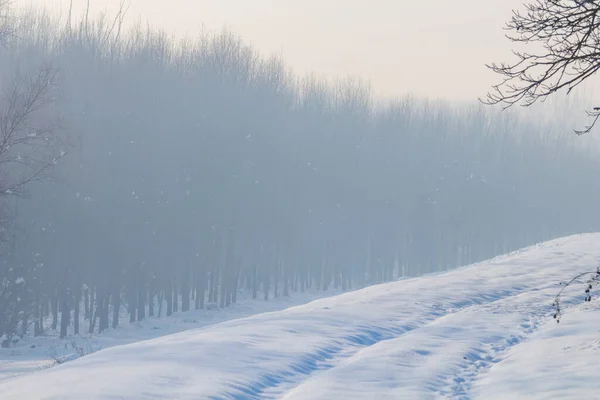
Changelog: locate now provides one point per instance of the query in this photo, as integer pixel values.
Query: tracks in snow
(534, 310)
(428, 337)
(489, 351)
(350, 346)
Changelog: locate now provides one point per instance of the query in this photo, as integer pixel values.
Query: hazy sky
(436, 48)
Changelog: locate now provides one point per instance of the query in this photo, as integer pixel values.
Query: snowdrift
(483, 331)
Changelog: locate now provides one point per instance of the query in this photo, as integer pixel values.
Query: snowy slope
(36, 353)
(483, 331)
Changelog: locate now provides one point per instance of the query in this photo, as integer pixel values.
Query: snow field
(482, 331)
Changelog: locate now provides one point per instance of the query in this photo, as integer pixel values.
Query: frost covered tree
(564, 36)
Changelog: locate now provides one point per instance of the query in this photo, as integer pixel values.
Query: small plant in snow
(589, 285)
(83, 350)
(63, 359)
(78, 352)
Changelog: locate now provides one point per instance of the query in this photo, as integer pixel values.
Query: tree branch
(568, 33)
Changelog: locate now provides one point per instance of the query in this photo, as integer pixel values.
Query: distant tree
(324, 187)
(5, 26)
(567, 34)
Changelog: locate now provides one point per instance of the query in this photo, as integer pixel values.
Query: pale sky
(434, 48)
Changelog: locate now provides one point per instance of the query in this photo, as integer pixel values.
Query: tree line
(199, 170)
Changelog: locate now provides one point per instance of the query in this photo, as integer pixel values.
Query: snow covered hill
(484, 332)
(35, 353)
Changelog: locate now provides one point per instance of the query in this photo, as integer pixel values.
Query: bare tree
(28, 150)
(323, 187)
(567, 34)
(29, 140)
(30, 145)
(5, 28)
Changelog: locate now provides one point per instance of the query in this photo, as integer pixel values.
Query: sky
(434, 48)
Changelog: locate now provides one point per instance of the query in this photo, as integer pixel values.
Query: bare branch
(591, 282)
(568, 34)
(5, 28)
(29, 140)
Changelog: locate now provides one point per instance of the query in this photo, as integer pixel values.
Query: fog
(197, 171)
(433, 48)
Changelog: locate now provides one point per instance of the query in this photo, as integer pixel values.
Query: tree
(5, 28)
(323, 186)
(567, 33)
(29, 148)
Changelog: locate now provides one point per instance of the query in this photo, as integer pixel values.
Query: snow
(484, 331)
(553, 364)
(42, 352)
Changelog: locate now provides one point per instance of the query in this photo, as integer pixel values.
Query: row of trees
(198, 170)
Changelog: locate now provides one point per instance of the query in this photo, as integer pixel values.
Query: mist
(198, 171)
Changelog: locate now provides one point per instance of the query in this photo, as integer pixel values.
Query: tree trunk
(211, 289)
(86, 304)
(160, 298)
(176, 297)
(116, 303)
(200, 287)
(286, 292)
(224, 290)
(141, 304)
(254, 281)
(76, 307)
(234, 287)
(266, 281)
(216, 285)
(54, 306)
(94, 315)
(185, 293)
(103, 313)
(169, 298)
(38, 327)
(229, 298)
(24, 324)
(92, 301)
(276, 280)
(151, 301)
(65, 317)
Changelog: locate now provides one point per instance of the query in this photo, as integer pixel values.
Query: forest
(163, 175)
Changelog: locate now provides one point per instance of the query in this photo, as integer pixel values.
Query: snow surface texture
(484, 331)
